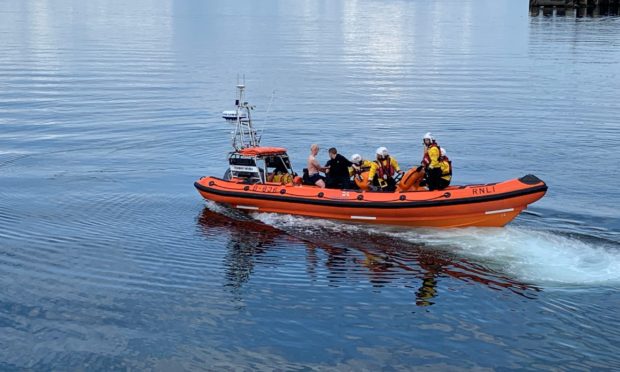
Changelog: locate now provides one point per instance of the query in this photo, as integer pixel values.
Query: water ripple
(109, 260)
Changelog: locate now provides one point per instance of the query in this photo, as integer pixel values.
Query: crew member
(446, 170)
(383, 171)
(430, 162)
(358, 167)
(337, 171)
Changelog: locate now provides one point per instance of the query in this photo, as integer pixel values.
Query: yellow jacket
(446, 169)
(433, 157)
(366, 166)
(375, 167)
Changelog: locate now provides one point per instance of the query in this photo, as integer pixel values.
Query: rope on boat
(321, 194)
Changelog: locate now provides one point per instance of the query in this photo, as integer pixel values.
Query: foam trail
(226, 211)
(530, 255)
(306, 225)
(534, 256)
(215, 207)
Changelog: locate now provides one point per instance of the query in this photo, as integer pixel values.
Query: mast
(244, 135)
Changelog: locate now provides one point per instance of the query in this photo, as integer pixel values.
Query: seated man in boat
(431, 163)
(314, 167)
(359, 171)
(337, 171)
(383, 171)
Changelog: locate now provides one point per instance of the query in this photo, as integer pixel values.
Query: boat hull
(487, 205)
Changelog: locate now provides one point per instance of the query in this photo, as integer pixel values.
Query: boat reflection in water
(382, 259)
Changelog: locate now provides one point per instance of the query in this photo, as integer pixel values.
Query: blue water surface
(110, 260)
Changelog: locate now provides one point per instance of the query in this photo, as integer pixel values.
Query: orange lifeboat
(492, 204)
(262, 179)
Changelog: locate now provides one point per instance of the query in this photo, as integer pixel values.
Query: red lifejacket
(385, 170)
(427, 159)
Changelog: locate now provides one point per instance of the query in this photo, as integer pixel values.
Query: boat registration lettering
(265, 188)
(243, 168)
(483, 190)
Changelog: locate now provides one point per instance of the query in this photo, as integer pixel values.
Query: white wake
(533, 256)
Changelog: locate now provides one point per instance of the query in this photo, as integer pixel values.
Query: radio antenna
(264, 124)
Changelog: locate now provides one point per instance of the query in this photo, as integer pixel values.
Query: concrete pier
(574, 8)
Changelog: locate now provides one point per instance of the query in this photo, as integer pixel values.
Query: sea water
(109, 259)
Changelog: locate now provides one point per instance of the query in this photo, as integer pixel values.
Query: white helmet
(382, 151)
(356, 158)
(443, 152)
(428, 136)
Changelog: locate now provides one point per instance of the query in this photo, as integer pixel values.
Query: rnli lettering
(264, 188)
(483, 190)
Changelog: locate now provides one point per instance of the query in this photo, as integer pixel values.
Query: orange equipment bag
(411, 180)
(362, 181)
